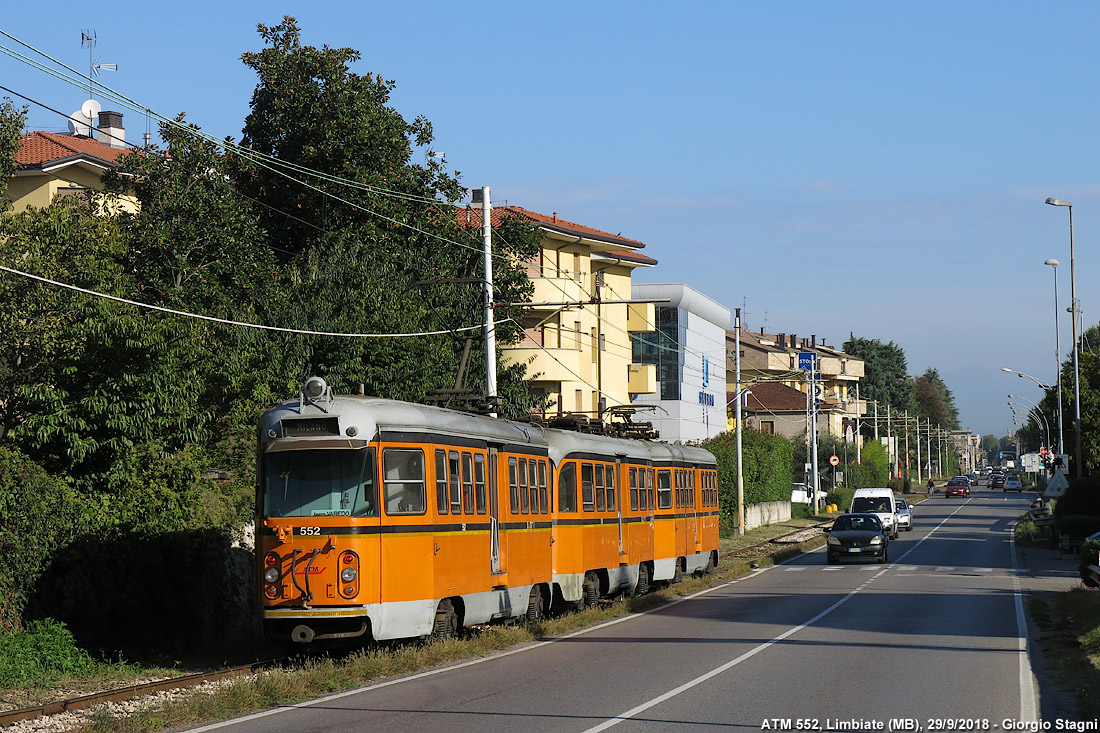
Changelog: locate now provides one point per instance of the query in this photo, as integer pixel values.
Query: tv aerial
(87, 40)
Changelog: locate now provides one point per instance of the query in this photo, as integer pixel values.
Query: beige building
(773, 359)
(577, 331)
(53, 165)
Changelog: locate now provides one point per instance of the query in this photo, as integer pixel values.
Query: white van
(880, 502)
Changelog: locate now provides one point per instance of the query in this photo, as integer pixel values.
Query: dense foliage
(766, 461)
(126, 434)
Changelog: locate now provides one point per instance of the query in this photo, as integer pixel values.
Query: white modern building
(687, 344)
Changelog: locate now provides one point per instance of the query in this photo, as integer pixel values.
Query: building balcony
(551, 365)
(642, 379)
(557, 290)
(640, 318)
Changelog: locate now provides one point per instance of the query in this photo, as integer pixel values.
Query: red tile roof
(553, 223)
(627, 256)
(773, 397)
(38, 149)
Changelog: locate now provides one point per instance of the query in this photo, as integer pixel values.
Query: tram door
(621, 497)
(495, 551)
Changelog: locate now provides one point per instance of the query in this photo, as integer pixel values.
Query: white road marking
(1029, 704)
(945, 569)
(795, 569)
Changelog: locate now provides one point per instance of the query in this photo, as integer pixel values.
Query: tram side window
(468, 482)
(523, 485)
(664, 489)
(567, 488)
(513, 486)
(403, 480)
(691, 487)
(453, 477)
(479, 482)
(643, 489)
(587, 499)
(633, 489)
(441, 481)
(650, 485)
(544, 497)
(610, 478)
(599, 487)
(533, 484)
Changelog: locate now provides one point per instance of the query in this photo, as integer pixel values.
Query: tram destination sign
(311, 426)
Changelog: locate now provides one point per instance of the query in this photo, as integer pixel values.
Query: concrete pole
(490, 326)
(737, 419)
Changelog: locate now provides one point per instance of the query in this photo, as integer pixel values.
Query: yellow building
(577, 330)
(53, 165)
(773, 359)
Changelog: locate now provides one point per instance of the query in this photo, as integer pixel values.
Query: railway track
(123, 694)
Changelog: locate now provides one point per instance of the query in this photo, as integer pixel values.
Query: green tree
(935, 401)
(766, 460)
(885, 379)
(373, 234)
(11, 125)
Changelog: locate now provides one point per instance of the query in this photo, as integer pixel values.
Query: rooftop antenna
(87, 39)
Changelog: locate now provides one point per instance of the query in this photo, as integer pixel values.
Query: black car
(856, 535)
(996, 480)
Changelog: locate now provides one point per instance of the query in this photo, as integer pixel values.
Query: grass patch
(43, 653)
(1071, 635)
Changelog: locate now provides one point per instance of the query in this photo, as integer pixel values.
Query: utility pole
(737, 419)
(490, 326)
(858, 432)
(920, 476)
(813, 402)
(906, 424)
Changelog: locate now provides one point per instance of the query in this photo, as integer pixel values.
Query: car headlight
(271, 575)
(834, 541)
(876, 540)
(347, 575)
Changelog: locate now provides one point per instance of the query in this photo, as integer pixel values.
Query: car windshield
(957, 482)
(871, 504)
(901, 504)
(320, 483)
(846, 524)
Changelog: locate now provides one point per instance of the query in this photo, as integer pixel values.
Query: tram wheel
(446, 621)
(711, 565)
(643, 580)
(591, 590)
(534, 606)
(679, 574)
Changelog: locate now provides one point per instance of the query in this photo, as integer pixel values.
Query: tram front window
(320, 483)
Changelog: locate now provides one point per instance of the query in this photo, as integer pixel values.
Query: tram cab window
(633, 489)
(533, 484)
(567, 488)
(403, 480)
(320, 483)
(664, 489)
(441, 481)
(544, 493)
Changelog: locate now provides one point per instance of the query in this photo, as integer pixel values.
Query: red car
(957, 487)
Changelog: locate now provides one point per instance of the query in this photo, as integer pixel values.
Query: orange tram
(394, 520)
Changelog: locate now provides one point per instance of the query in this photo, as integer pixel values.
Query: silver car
(904, 515)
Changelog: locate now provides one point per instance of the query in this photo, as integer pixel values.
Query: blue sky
(846, 167)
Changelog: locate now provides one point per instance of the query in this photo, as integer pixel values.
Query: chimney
(782, 340)
(555, 217)
(813, 339)
(794, 341)
(110, 129)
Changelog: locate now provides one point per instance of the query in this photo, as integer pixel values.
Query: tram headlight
(271, 575)
(348, 575)
(314, 387)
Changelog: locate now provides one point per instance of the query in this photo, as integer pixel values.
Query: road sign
(807, 360)
(1056, 485)
(833, 460)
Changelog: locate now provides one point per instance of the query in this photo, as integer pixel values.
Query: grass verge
(1071, 634)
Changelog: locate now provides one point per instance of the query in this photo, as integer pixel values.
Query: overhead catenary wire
(228, 322)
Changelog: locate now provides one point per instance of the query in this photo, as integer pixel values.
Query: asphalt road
(937, 636)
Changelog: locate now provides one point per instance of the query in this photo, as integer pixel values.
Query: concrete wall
(770, 512)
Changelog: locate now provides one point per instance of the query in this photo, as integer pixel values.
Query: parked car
(857, 535)
(1013, 483)
(800, 494)
(958, 486)
(904, 514)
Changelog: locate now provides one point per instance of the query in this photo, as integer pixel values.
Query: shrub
(1077, 525)
(1089, 556)
(1082, 497)
(44, 651)
(766, 460)
(841, 497)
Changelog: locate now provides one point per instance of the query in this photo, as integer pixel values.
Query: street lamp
(1073, 308)
(1023, 374)
(1057, 355)
(1038, 411)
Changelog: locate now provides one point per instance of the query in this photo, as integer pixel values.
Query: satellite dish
(91, 109)
(79, 124)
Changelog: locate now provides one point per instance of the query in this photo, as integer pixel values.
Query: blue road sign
(807, 360)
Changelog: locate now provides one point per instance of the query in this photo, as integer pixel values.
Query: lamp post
(1073, 308)
(1038, 411)
(1025, 374)
(1057, 355)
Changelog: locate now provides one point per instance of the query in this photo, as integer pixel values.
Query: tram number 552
(309, 531)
